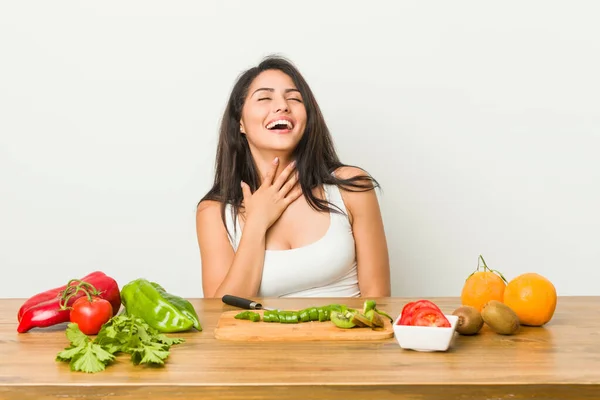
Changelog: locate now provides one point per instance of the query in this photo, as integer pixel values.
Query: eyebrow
(272, 90)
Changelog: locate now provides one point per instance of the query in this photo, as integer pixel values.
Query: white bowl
(425, 338)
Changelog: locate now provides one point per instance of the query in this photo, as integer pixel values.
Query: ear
(242, 129)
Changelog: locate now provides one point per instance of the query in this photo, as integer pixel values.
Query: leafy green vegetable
(122, 333)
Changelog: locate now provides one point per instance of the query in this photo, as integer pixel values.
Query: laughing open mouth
(280, 124)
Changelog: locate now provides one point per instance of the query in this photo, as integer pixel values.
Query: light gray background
(481, 120)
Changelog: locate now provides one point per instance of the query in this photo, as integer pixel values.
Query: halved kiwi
(342, 319)
(375, 318)
(361, 321)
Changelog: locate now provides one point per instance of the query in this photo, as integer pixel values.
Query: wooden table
(558, 361)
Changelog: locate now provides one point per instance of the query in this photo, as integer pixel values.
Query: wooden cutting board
(229, 328)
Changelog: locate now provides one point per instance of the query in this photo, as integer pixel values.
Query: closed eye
(264, 98)
(298, 100)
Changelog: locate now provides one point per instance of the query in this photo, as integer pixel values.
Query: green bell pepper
(163, 311)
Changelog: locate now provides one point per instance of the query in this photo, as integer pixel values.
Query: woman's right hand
(272, 197)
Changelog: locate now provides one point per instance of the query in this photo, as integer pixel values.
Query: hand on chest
(298, 226)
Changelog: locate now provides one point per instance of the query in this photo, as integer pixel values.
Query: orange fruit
(483, 286)
(532, 297)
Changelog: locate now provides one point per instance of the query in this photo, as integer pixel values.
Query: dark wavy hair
(315, 154)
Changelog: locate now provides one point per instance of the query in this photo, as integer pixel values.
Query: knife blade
(241, 302)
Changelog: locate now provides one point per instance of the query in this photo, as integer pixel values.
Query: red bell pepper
(53, 306)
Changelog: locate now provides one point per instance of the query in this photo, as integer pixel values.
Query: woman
(285, 217)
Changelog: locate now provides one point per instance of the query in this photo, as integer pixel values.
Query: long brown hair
(315, 154)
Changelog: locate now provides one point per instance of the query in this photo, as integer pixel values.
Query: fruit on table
(90, 313)
(54, 306)
(163, 311)
(423, 313)
(532, 297)
(500, 318)
(470, 320)
(371, 318)
(342, 319)
(482, 286)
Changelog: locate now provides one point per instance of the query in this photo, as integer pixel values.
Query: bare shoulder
(208, 216)
(348, 172)
(211, 231)
(356, 200)
(208, 207)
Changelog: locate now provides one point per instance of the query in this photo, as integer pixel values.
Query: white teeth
(280, 122)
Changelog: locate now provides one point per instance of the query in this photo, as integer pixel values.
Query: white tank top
(325, 268)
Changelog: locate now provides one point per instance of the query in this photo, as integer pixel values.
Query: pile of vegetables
(91, 306)
(55, 306)
(341, 315)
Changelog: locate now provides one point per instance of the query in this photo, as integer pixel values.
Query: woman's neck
(264, 162)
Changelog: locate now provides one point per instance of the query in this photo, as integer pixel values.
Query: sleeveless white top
(325, 268)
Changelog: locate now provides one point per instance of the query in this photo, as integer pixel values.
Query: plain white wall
(481, 121)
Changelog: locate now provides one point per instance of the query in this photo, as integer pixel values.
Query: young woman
(284, 216)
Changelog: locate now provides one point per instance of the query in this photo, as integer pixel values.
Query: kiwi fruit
(470, 320)
(361, 321)
(375, 319)
(500, 318)
(342, 319)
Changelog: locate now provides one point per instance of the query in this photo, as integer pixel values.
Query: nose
(281, 105)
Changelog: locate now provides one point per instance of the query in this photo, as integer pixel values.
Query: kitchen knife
(243, 303)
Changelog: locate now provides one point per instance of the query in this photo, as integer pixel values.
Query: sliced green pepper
(249, 315)
(267, 316)
(272, 315)
(242, 315)
(304, 315)
(161, 310)
(254, 317)
(288, 317)
(323, 314)
(314, 314)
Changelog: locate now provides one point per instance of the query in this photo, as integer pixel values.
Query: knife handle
(241, 302)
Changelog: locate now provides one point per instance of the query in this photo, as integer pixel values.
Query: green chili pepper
(304, 315)
(242, 315)
(292, 318)
(273, 316)
(249, 315)
(288, 317)
(369, 305)
(372, 305)
(323, 314)
(267, 316)
(336, 307)
(320, 314)
(163, 311)
(254, 317)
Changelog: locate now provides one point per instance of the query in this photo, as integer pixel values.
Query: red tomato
(409, 310)
(90, 316)
(427, 316)
(406, 314)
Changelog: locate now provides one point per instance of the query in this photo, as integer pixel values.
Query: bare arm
(223, 270)
(371, 244)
